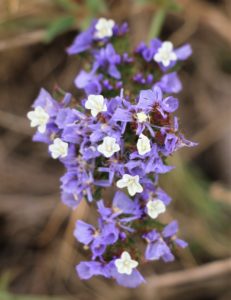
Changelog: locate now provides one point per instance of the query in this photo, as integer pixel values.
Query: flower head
(108, 147)
(125, 264)
(104, 28)
(165, 54)
(39, 118)
(96, 103)
(141, 117)
(155, 208)
(143, 144)
(58, 149)
(131, 183)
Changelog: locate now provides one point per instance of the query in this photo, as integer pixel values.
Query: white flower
(141, 117)
(108, 147)
(155, 207)
(96, 103)
(104, 28)
(38, 117)
(143, 145)
(131, 183)
(58, 148)
(125, 264)
(165, 54)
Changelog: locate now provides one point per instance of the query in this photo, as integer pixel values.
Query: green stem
(157, 24)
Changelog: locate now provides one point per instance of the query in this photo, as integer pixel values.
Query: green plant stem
(157, 23)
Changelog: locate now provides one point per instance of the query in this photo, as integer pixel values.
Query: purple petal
(65, 116)
(103, 210)
(114, 72)
(70, 200)
(151, 236)
(98, 247)
(122, 115)
(84, 232)
(171, 229)
(110, 233)
(163, 196)
(45, 100)
(87, 269)
(83, 41)
(170, 104)
(181, 243)
(156, 250)
(124, 203)
(168, 257)
(130, 281)
(183, 52)
(170, 83)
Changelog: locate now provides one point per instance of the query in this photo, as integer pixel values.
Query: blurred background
(37, 249)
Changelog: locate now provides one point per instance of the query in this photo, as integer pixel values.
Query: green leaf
(9, 296)
(68, 5)
(59, 26)
(96, 6)
(140, 2)
(157, 24)
(173, 6)
(5, 281)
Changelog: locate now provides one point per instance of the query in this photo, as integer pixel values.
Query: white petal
(125, 255)
(121, 184)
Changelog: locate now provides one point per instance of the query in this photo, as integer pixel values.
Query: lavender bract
(119, 133)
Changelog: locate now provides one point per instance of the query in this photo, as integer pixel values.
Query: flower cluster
(118, 134)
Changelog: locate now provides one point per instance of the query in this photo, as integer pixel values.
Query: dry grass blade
(183, 279)
(14, 123)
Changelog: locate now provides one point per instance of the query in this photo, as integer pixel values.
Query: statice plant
(118, 136)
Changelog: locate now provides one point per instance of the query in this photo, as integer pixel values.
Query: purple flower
(106, 234)
(170, 83)
(77, 181)
(148, 52)
(121, 205)
(120, 30)
(170, 143)
(107, 58)
(157, 243)
(166, 56)
(90, 82)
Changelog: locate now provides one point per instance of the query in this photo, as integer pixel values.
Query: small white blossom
(96, 103)
(143, 145)
(104, 28)
(131, 183)
(38, 117)
(155, 207)
(108, 147)
(125, 264)
(58, 148)
(165, 54)
(141, 117)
